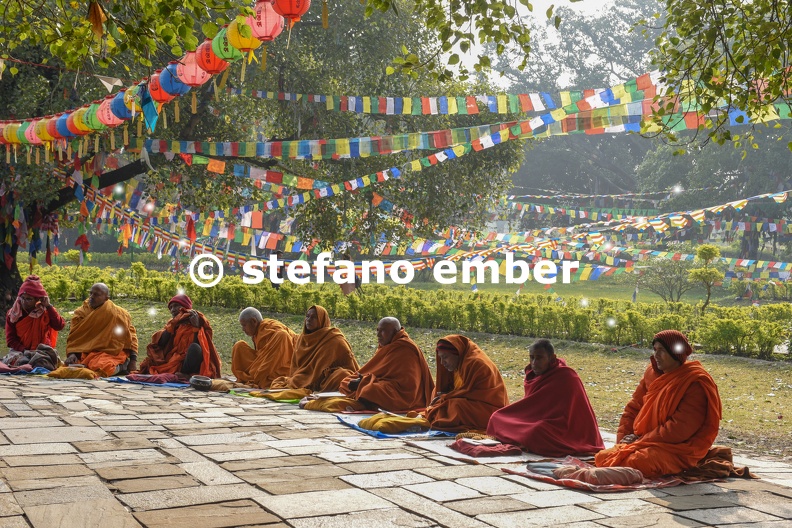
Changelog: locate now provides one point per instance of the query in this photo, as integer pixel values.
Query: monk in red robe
(272, 355)
(102, 336)
(184, 347)
(669, 425)
(32, 320)
(555, 417)
(322, 357)
(469, 387)
(397, 378)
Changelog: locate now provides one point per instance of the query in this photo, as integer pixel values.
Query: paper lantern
(91, 118)
(2, 127)
(223, 49)
(63, 130)
(169, 80)
(132, 97)
(105, 114)
(52, 127)
(240, 42)
(21, 132)
(291, 10)
(190, 72)
(207, 60)
(265, 25)
(119, 108)
(41, 129)
(30, 133)
(75, 122)
(10, 133)
(155, 89)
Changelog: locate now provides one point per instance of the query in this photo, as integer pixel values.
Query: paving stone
(764, 502)
(296, 473)
(419, 505)
(689, 502)
(232, 438)
(139, 471)
(314, 503)
(443, 491)
(35, 449)
(616, 508)
(222, 448)
(137, 455)
(385, 479)
(113, 445)
(765, 524)
(455, 472)
(81, 494)
(393, 465)
(492, 485)
(220, 515)
(733, 515)
(45, 472)
(94, 514)
(7, 424)
(267, 463)
(700, 488)
(666, 520)
(475, 507)
(539, 517)
(176, 498)
(533, 484)
(42, 460)
(8, 505)
(545, 499)
(298, 486)
(363, 456)
(183, 454)
(153, 484)
(50, 483)
(13, 522)
(392, 517)
(209, 473)
(243, 455)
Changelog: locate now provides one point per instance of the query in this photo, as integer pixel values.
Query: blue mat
(351, 420)
(36, 370)
(122, 379)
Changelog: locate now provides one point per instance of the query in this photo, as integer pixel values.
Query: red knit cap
(32, 286)
(675, 343)
(182, 300)
(446, 346)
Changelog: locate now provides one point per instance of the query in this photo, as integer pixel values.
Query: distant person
(271, 354)
(555, 417)
(102, 336)
(184, 347)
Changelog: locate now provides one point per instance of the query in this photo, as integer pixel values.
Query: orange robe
(397, 378)
(169, 359)
(100, 337)
(269, 360)
(28, 332)
(676, 417)
(471, 393)
(321, 360)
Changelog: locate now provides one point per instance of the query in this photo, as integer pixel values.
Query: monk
(469, 387)
(673, 418)
(397, 378)
(272, 355)
(32, 320)
(102, 336)
(555, 417)
(184, 347)
(322, 357)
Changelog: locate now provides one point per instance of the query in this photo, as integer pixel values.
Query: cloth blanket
(24, 369)
(156, 380)
(352, 420)
(73, 373)
(481, 451)
(44, 357)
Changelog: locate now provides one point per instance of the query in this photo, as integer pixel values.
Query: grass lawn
(756, 395)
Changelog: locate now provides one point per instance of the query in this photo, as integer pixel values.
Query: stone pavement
(84, 454)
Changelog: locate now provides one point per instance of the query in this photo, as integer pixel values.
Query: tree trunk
(10, 281)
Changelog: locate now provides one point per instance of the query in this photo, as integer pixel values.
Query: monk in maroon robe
(555, 417)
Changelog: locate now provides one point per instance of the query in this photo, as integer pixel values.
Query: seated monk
(102, 336)
(322, 357)
(555, 417)
(184, 347)
(397, 378)
(32, 320)
(272, 355)
(673, 417)
(469, 387)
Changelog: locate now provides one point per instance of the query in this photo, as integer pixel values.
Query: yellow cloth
(336, 404)
(73, 373)
(389, 424)
(289, 394)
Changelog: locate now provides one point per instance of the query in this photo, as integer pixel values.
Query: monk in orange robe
(102, 336)
(272, 355)
(322, 356)
(32, 320)
(184, 347)
(397, 378)
(673, 418)
(469, 387)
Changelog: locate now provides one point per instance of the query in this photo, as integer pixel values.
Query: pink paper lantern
(189, 72)
(266, 24)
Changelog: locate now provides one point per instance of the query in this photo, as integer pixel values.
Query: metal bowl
(201, 383)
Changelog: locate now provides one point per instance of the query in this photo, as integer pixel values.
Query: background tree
(667, 278)
(708, 274)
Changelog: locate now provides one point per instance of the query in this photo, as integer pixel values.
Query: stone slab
(230, 438)
(79, 494)
(492, 485)
(137, 455)
(415, 503)
(649, 520)
(546, 499)
(35, 449)
(209, 473)
(315, 503)
(7, 424)
(443, 491)
(177, 498)
(394, 465)
(45, 472)
(440, 472)
(220, 515)
(540, 517)
(691, 502)
(153, 484)
(140, 471)
(114, 445)
(42, 460)
(268, 463)
(473, 507)
(9, 505)
(50, 483)
(386, 479)
(45, 435)
(291, 473)
(14, 522)
(392, 517)
(733, 515)
(100, 513)
(299, 486)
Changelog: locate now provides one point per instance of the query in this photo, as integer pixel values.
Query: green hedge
(744, 331)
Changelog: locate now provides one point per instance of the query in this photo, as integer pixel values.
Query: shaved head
(387, 329)
(250, 314)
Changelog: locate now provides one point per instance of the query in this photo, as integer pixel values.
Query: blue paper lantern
(63, 130)
(119, 107)
(169, 80)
